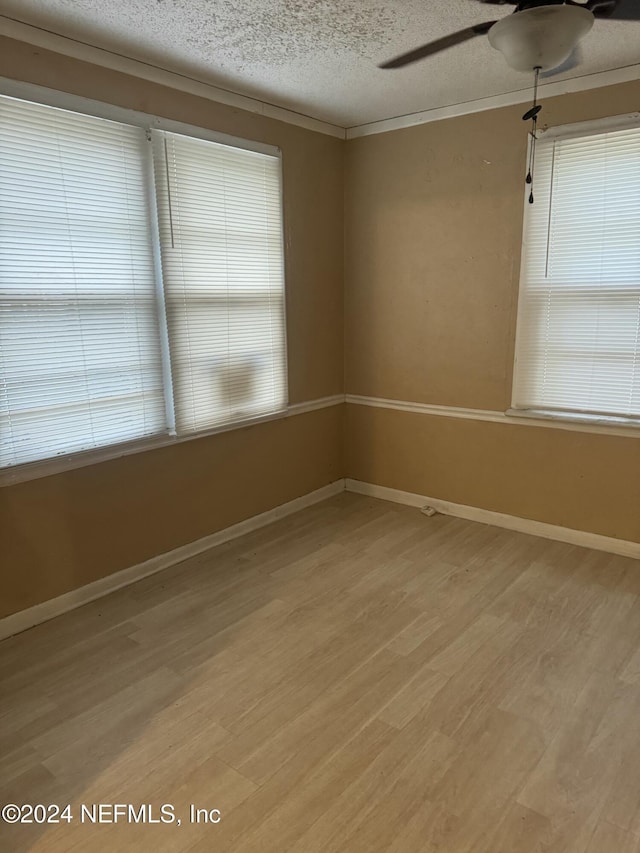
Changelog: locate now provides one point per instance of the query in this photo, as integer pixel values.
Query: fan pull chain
(533, 115)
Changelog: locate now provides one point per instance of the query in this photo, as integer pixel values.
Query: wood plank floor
(358, 678)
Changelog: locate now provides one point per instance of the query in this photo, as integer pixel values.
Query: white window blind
(222, 256)
(80, 362)
(119, 319)
(578, 339)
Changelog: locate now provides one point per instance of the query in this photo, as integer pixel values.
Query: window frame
(602, 423)
(25, 471)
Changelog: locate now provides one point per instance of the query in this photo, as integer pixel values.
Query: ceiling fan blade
(615, 10)
(438, 45)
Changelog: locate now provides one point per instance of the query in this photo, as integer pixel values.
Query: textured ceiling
(317, 57)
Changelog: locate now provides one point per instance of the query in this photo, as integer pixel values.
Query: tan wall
(578, 480)
(63, 531)
(433, 218)
(433, 236)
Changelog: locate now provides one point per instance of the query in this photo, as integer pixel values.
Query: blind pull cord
(532, 114)
(166, 167)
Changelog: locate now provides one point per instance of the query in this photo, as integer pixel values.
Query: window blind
(578, 338)
(80, 349)
(220, 223)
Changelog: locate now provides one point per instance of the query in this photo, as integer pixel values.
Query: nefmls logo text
(126, 813)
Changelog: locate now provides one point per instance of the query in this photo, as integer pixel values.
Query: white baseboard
(17, 622)
(499, 519)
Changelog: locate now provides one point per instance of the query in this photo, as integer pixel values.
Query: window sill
(58, 464)
(572, 420)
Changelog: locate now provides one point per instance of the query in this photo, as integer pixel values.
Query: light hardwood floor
(357, 678)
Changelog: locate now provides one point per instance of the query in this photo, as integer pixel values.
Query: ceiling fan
(541, 35)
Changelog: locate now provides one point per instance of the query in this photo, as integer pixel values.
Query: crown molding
(76, 49)
(508, 99)
(20, 31)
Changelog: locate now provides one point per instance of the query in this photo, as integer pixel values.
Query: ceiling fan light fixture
(543, 37)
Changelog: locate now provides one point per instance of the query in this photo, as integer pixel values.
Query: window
(222, 262)
(578, 338)
(120, 319)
